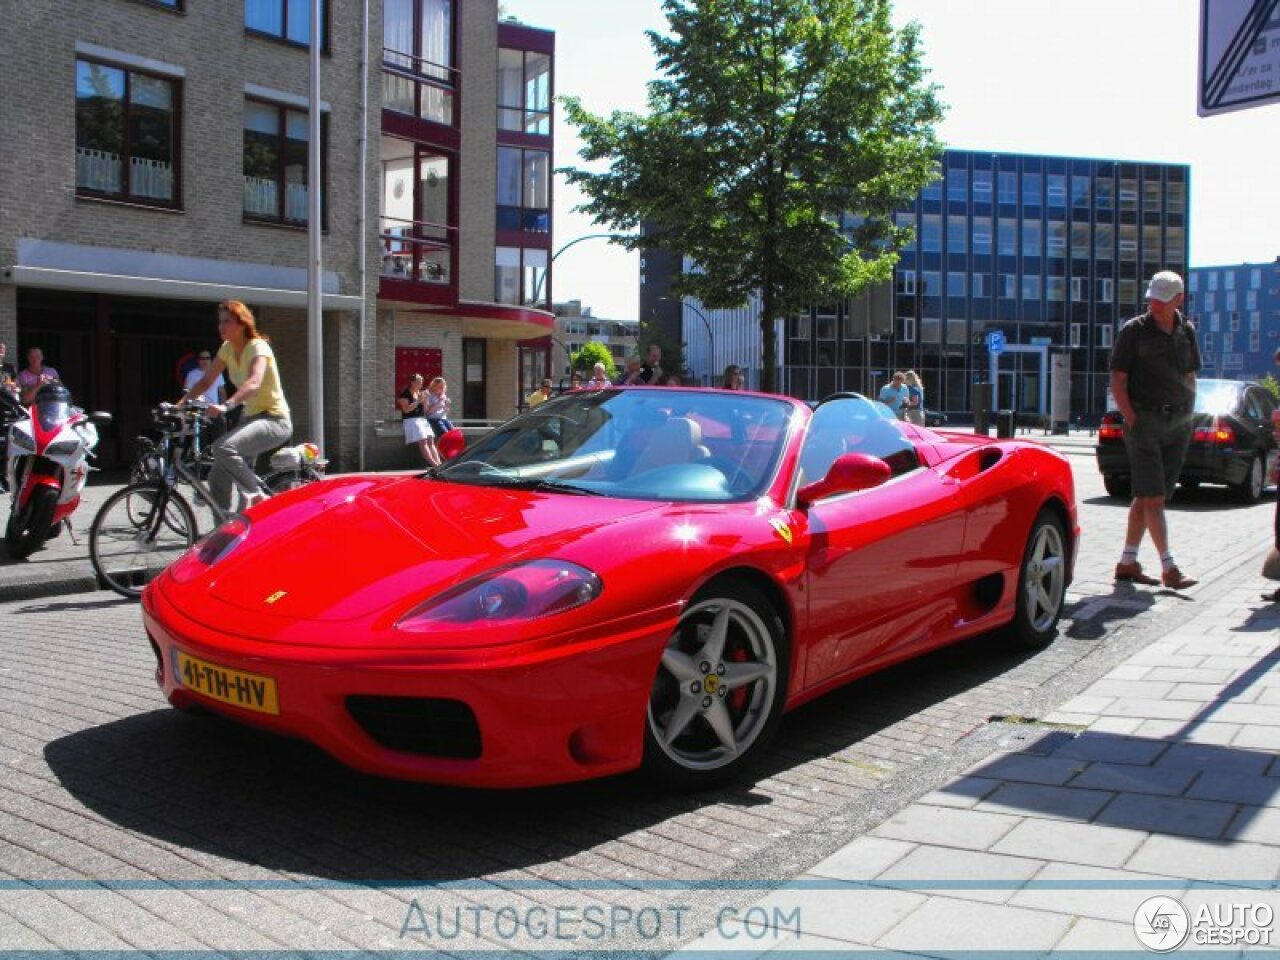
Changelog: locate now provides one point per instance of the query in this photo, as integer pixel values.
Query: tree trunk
(768, 375)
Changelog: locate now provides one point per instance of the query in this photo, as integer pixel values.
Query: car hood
(352, 551)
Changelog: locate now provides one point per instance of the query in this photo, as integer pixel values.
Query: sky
(1112, 79)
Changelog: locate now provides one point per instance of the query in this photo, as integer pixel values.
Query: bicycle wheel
(281, 480)
(138, 532)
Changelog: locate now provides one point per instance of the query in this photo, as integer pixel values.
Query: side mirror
(99, 417)
(848, 472)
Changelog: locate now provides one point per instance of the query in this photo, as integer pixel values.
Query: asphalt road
(218, 837)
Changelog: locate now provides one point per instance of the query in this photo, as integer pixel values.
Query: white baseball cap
(1164, 286)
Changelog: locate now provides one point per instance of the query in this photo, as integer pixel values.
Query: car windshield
(1218, 397)
(645, 443)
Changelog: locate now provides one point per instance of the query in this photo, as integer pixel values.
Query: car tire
(1042, 583)
(731, 645)
(1250, 489)
(1117, 487)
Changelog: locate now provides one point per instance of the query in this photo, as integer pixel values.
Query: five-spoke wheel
(1042, 582)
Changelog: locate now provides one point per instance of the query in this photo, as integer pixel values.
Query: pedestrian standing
(733, 378)
(436, 404)
(894, 394)
(1271, 569)
(1153, 379)
(35, 375)
(411, 403)
(914, 409)
(542, 394)
(599, 378)
(247, 357)
(651, 369)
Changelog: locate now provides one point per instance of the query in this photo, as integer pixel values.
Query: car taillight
(1217, 434)
(1112, 428)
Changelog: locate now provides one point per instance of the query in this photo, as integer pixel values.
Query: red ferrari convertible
(621, 578)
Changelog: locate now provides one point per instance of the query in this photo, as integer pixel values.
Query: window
(1193, 282)
(1235, 321)
(1128, 241)
(933, 189)
(907, 221)
(1008, 186)
(1030, 287)
(958, 184)
(276, 178)
(1031, 238)
(907, 283)
(978, 285)
(1056, 189)
(1077, 289)
(1105, 290)
(1104, 336)
(1210, 300)
(1229, 280)
(1077, 334)
(957, 234)
(523, 190)
(1215, 322)
(907, 329)
(1104, 193)
(1080, 191)
(930, 330)
(1080, 240)
(1151, 195)
(417, 61)
(1009, 286)
(1056, 288)
(955, 284)
(981, 236)
(288, 20)
(126, 135)
(1057, 239)
(1128, 194)
(1104, 238)
(520, 276)
(1255, 341)
(932, 280)
(1255, 278)
(982, 186)
(1231, 298)
(1175, 196)
(1251, 299)
(524, 91)
(931, 232)
(1255, 321)
(1031, 189)
(1213, 280)
(1008, 237)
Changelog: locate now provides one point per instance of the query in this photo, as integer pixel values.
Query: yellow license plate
(251, 691)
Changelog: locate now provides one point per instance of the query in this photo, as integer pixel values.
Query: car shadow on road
(203, 783)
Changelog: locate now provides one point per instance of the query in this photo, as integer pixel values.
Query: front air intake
(428, 726)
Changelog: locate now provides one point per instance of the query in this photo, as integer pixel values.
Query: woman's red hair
(244, 317)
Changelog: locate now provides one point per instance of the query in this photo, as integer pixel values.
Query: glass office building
(1053, 252)
(1236, 308)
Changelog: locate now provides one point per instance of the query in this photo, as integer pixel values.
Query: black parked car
(1233, 442)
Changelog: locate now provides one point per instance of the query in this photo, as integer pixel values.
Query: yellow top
(270, 395)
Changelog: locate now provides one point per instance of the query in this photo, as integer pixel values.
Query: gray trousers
(234, 454)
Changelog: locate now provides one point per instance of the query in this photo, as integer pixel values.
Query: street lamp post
(711, 337)
(537, 289)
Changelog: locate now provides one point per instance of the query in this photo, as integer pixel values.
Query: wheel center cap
(711, 683)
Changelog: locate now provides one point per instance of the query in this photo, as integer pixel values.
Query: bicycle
(148, 524)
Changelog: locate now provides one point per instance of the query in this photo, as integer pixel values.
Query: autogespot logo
(1161, 924)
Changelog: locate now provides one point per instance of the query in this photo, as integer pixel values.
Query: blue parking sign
(995, 341)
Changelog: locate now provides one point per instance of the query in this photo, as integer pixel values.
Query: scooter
(47, 464)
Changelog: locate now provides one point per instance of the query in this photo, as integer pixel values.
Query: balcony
(417, 260)
(418, 87)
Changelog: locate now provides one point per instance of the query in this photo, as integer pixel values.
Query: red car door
(881, 563)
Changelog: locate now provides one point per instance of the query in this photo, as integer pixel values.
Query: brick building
(156, 162)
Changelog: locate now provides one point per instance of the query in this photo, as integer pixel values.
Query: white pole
(315, 342)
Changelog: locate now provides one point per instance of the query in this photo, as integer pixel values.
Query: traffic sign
(995, 341)
(1239, 55)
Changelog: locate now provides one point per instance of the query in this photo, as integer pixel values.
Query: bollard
(1006, 423)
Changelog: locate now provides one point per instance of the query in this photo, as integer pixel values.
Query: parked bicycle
(148, 524)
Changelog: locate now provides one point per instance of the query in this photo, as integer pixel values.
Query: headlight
(63, 448)
(22, 440)
(522, 591)
(212, 550)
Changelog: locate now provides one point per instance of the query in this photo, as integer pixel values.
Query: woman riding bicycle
(247, 358)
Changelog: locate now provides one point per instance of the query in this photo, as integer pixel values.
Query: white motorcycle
(46, 468)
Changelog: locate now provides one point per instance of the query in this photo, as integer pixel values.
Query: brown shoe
(1174, 579)
(1132, 572)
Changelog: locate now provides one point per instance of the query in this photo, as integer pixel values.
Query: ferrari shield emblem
(781, 528)
(275, 596)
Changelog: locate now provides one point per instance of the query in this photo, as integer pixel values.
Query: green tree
(1271, 385)
(584, 360)
(779, 140)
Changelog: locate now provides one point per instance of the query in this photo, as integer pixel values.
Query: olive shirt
(270, 396)
(1157, 362)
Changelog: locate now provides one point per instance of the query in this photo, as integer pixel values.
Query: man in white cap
(1153, 378)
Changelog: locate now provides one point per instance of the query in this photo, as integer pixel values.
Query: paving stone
(1128, 671)
(963, 793)
(1120, 726)
(1168, 815)
(1130, 778)
(1257, 825)
(1098, 936)
(966, 829)
(968, 869)
(1207, 692)
(1236, 788)
(1088, 705)
(1170, 730)
(951, 925)
(1027, 769)
(1249, 713)
(1041, 800)
(1091, 745)
(860, 915)
(1213, 757)
(1071, 719)
(1154, 709)
(1090, 844)
(1095, 892)
(1205, 859)
(863, 859)
(1257, 738)
(1216, 675)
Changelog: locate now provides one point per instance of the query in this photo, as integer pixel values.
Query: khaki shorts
(1157, 446)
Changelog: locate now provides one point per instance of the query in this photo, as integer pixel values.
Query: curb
(76, 581)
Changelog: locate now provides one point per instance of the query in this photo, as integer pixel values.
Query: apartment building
(156, 163)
